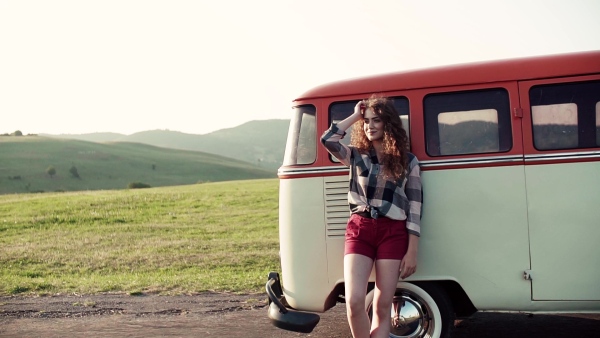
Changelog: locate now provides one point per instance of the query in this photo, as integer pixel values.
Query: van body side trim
(488, 160)
(471, 161)
(340, 170)
(563, 156)
(312, 170)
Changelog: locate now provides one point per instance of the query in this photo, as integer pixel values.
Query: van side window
(340, 110)
(598, 123)
(467, 122)
(301, 147)
(566, 115)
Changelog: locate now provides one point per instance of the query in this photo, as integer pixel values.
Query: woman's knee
(355, 305)
(383, 303)
(381, 312)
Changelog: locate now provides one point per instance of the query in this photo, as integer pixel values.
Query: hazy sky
(198, 66)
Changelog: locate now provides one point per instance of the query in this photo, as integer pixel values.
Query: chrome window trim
(563, 156)
(472, 160)
(455, 162)
(312, 170)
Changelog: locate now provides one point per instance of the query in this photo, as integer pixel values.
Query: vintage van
(510, 163)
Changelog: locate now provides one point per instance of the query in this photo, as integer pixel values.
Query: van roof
(528, 68)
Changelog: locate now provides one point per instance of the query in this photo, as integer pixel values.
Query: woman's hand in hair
(350, 120)
(360, 107)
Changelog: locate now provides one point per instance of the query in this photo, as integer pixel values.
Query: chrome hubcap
(410, 316)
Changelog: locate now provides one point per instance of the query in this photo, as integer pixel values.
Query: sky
(126, 66)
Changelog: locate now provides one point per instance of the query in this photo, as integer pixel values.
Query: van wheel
(418, 311)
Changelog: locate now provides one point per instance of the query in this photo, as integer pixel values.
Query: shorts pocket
(352, 230)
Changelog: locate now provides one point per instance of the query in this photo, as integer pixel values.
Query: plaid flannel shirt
(400, 200)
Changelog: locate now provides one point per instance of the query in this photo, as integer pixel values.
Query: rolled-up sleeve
(331, 140)
(414, 193)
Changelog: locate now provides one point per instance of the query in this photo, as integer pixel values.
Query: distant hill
(93, 137)
(258, 142)
(25, 160)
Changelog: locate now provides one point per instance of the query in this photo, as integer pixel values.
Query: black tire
(424, 311)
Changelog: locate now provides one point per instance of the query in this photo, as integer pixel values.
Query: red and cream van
(510, 163)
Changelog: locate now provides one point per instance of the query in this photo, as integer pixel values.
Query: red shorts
(380, 238)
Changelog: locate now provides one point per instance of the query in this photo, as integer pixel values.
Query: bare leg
(357, 269)
(386, 279)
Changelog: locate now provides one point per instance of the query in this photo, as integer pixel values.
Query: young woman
(385, 201)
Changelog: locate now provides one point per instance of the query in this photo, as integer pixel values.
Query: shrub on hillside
(138, 185)
(73, 172)
(51, 171)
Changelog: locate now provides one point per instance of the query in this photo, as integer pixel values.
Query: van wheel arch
(461, 303)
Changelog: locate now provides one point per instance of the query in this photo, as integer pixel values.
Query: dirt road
(229, 315)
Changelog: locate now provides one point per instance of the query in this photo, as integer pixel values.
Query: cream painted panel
(474, 231)
(564, 222)
(302, 243)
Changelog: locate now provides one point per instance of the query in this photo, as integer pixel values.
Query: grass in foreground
(215, 236)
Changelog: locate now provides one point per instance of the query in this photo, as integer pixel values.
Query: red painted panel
(516, 76)
(529, 68)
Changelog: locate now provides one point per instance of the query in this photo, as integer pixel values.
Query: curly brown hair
(395, 140)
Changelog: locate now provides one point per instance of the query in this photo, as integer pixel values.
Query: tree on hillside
(51, 171)
(18, 133)
(73, 172)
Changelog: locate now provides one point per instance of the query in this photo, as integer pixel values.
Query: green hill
(24, 162)
(258, 142)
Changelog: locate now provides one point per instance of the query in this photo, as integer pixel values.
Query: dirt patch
(217, 315)
(115, 315)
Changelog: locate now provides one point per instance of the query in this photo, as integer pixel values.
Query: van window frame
(295, 133)
(506, 130)
(586, 132)
(524, 89)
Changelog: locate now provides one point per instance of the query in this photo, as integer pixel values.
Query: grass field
(185, 239)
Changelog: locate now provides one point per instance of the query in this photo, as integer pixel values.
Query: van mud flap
(283, 317)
